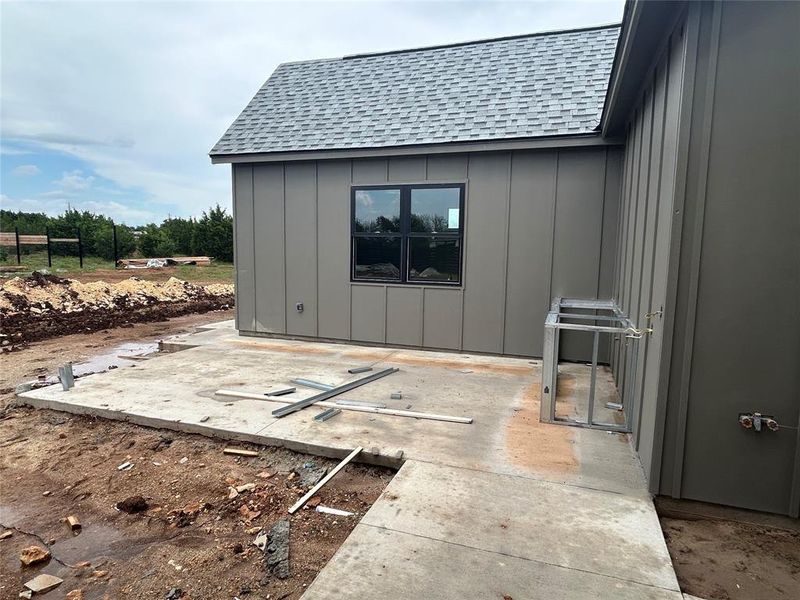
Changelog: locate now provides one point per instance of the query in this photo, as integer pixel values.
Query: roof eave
(499, 145)
(644, 26)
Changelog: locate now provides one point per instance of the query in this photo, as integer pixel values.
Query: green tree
(181, 232)
(213, 235)
(155, 242)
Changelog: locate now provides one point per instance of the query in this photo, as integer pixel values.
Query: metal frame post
(49, 253)
(80, 248)
(16, 237)
(114, 238)
(593, 382)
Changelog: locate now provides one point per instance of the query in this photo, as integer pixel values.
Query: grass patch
(69, 266)
(36, 261)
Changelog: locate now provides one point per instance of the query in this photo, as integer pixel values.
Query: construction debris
(133, 505)
(327, 414)
(41, 584)
(278, 549)
(66, 377)
(127, 465)
(343, 402)
(301, 404)
(396, 396)
(33, 555)
(281, 392)
(261, 540)
(150, 263)
(312, 384)
(240, 452)
(359, 370)
(334, 511)
(299, 504)
(380, 411)
(73, 522)
(6, 534)
(247, 487)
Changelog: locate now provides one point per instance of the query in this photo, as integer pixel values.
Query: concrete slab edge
(370, 456)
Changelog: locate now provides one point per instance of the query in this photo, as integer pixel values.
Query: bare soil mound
(43, 305)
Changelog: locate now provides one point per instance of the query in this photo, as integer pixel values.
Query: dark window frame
(405, 233)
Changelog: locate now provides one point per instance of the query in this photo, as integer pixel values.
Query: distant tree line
(209, 235)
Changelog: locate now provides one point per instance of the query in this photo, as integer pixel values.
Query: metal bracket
(637, 334)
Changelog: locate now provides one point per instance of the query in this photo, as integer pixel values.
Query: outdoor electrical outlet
(299, 307)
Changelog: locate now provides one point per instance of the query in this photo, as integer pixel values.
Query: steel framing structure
(618, 324)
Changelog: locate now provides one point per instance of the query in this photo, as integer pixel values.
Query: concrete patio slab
(505, 505)
(568, 526)
(501, 395)
(381, 563)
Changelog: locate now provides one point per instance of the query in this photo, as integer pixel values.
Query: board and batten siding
(645, 235)
(538, 224)
(710, 239)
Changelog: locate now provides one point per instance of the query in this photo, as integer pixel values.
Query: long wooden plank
(299, 504)
(368, 409)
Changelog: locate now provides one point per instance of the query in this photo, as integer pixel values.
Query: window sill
(410, 284)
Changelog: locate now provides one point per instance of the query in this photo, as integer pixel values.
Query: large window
(408, 233)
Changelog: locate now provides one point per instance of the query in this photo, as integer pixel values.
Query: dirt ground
(722, 559)
(42, 358)
(193, 537)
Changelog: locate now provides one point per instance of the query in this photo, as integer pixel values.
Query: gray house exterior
(656, 164)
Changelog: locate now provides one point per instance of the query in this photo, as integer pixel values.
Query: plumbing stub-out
(757, 421)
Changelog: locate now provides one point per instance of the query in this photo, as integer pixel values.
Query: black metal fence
(18, 240)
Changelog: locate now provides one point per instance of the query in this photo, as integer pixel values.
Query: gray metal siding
(485, 254)
(710, 234)
(268, 224)
(517, 252)
(244, 249)
(741, 280)
(645, 232)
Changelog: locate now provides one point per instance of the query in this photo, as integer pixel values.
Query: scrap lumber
(301, 404)
(299, 504)
(241, 451)
(368, 409)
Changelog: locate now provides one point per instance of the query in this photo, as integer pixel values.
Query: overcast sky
(113, 106)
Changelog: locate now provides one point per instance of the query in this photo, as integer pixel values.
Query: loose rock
(132, 505)
(41, 584)
(278, 549)
(33, 555)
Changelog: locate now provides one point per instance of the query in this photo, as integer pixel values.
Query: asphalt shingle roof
(532, 86)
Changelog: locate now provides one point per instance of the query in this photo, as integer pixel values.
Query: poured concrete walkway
(506, 506)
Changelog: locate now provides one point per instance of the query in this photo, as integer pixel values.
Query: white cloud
(54, 205)
(25, 170)
(152, 85)
(6, 151)
(74, 181)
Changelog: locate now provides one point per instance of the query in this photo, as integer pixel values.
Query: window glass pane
(378, 211)
(377, 258)
(433, 259)
(435, 209)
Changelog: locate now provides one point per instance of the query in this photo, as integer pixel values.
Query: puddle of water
(121, 356)
(124, 355)
(93, 543)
